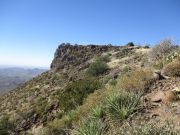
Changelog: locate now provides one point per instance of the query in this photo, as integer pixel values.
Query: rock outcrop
(68, 55)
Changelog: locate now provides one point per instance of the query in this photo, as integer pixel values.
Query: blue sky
(31, 30)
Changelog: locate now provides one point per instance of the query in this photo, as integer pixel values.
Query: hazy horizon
(22, 66)
(30, 31)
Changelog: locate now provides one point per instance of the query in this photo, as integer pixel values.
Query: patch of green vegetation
(116, 107)
(6, 126)
(113, 82)
(97, 112)
(76, 92)
(130, 44)
(97, 68)
(120, 106)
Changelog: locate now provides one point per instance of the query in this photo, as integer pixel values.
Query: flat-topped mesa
(68, 55)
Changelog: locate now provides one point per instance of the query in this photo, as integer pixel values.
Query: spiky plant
(120, 106)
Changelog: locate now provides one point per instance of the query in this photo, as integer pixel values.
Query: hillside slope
(80, 78)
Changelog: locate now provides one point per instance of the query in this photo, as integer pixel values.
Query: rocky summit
(99, 90)
(72, 55)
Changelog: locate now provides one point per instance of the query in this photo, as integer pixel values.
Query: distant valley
(12, 77)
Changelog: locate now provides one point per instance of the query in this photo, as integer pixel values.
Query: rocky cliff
(68, 55)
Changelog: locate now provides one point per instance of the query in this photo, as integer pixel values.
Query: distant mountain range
(12, 77)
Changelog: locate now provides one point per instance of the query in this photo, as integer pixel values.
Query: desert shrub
(130, 44)
(172, 69)
(6, 126)
(136, 81)
(91, 127)
(97, 68)
(150, 128)
(120, 106)
(104, 58)
(76, 92)
(162, 49)
(60, 126)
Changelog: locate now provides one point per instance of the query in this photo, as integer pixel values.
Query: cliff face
(68, 55)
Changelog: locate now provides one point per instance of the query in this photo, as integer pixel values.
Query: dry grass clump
(136, 81)
(149, 128)
(172, 69)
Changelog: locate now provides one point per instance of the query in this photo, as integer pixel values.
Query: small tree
(162, 49)
(130, 44)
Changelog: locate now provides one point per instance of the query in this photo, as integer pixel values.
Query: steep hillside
(85, 77)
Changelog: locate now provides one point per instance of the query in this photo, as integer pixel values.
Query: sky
(31, 30)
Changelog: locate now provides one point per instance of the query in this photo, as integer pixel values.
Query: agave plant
(120, 106)
(97, 113)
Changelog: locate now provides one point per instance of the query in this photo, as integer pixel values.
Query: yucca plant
(97, 113)
(120, 106)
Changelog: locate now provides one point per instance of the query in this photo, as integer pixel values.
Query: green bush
(97, 68)
(76, 92)
(6, 127)
(130, 44)
(120, 106)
